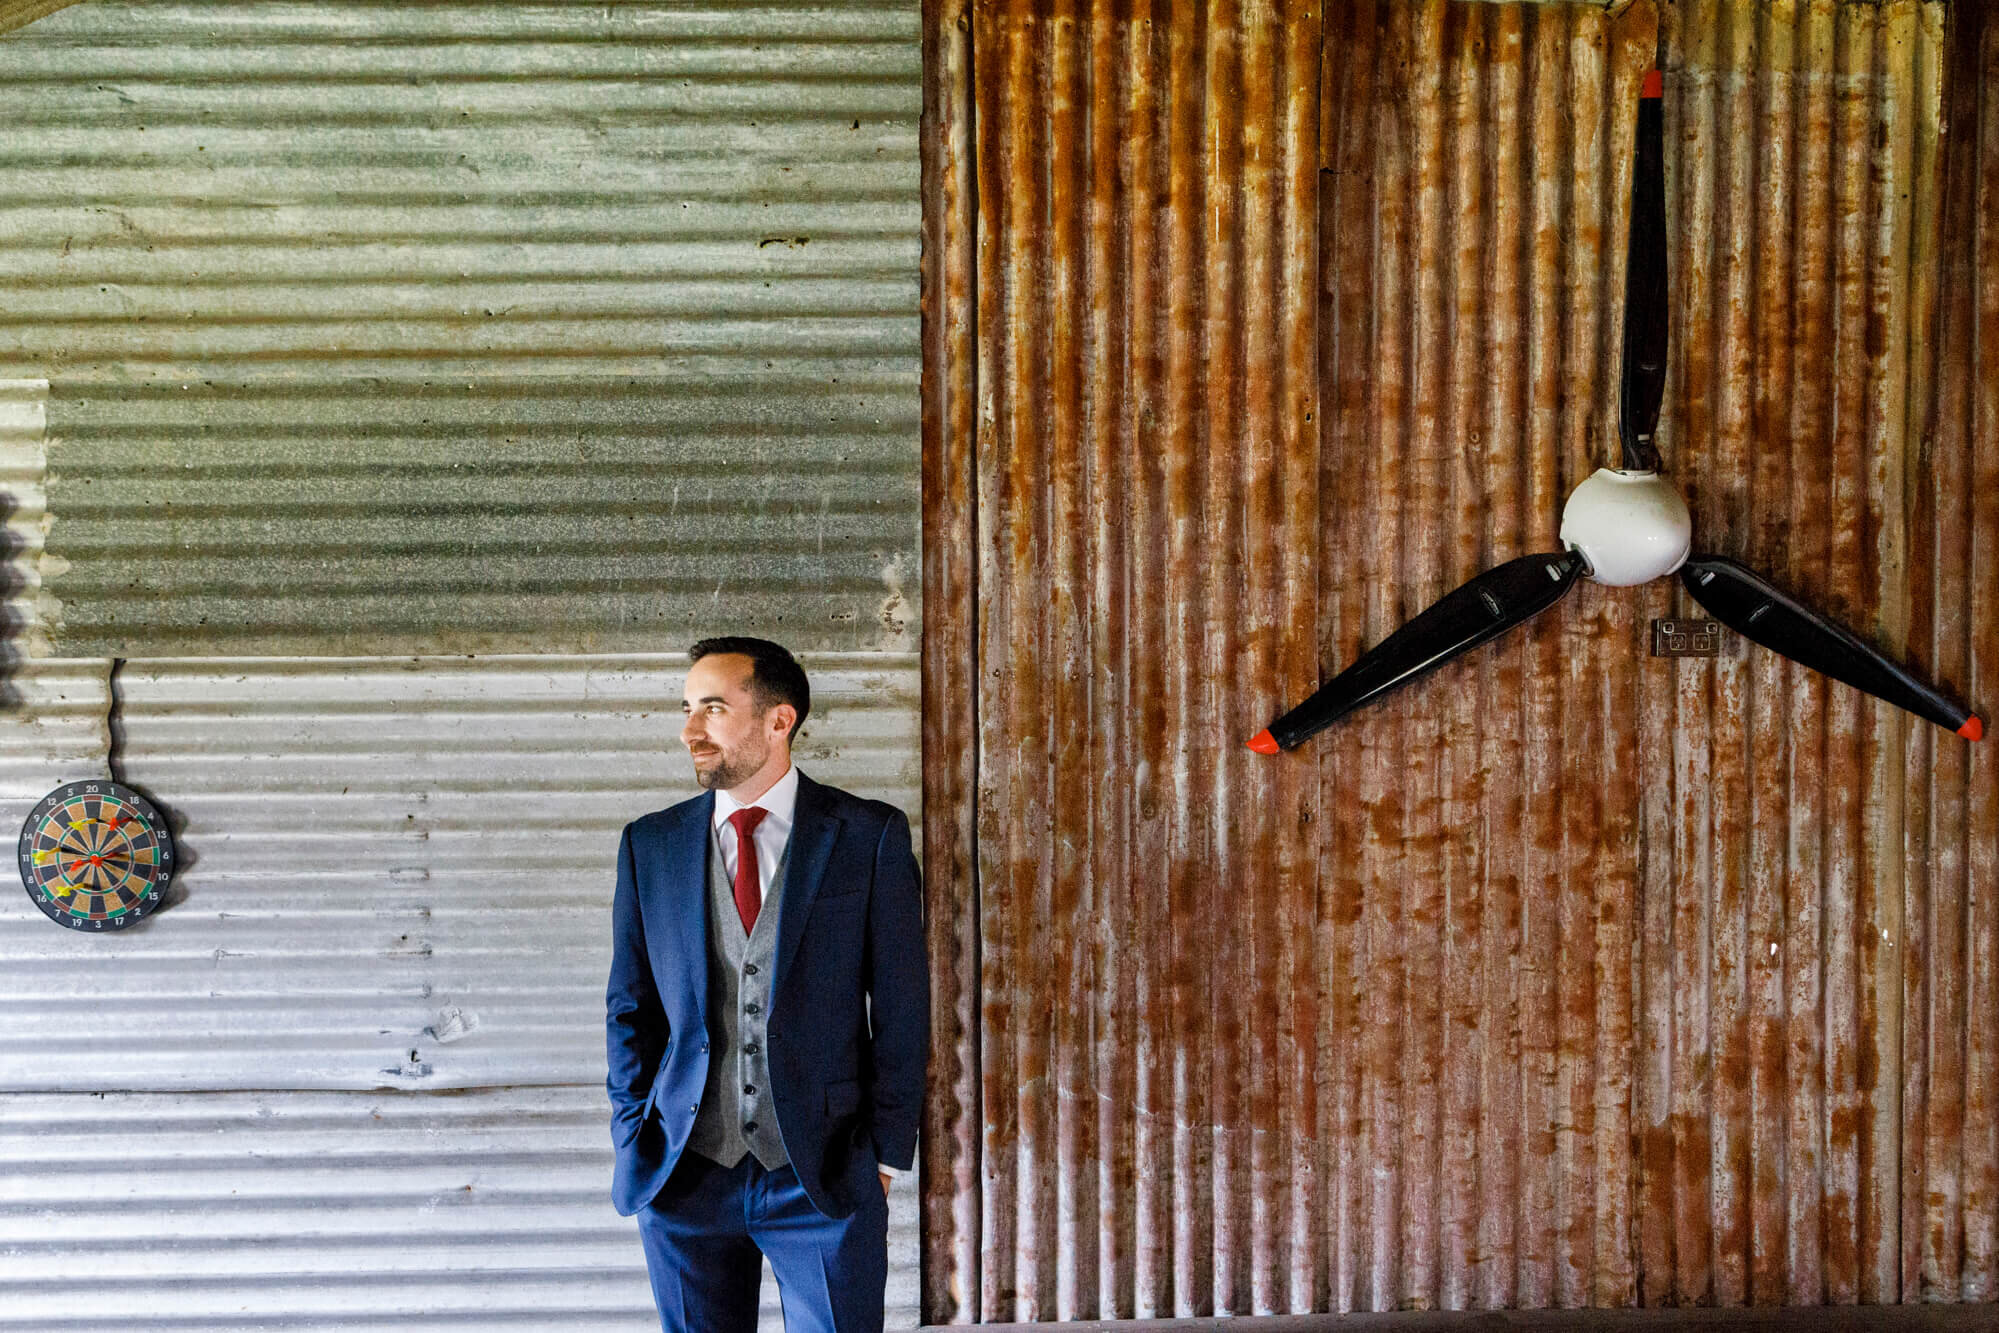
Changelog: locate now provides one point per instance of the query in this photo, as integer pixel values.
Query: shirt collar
(781, 801)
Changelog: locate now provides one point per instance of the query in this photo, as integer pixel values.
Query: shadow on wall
(13, 616)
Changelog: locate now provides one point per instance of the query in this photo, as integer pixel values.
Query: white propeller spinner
(1632, 527)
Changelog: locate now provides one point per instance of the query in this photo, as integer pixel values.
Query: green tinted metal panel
(378, 328)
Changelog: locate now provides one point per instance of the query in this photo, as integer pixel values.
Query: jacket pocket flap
(843, 1098)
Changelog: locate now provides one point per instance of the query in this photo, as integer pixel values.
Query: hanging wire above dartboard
(94, 854)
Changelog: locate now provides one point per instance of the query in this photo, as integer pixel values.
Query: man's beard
(731, 770)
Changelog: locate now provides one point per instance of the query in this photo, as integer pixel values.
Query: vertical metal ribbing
(1975, 109)
(1348, 266)
(951, 1136)
(1462, 1029)
(1300, 826)
(1158, 764)
(1478, 1003)
(1067, 1137)
(1220, 1186)
(1765, 221)
(1952, 1167)
(1190, 940)
(998, 838)
(1104, 1210)
(1500, 708)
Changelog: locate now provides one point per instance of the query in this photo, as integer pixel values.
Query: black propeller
(1643, 386)
(1483, 609)
(1742, 600)
(1623, 527)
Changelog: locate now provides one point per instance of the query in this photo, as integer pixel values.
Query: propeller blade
(1643, 384)
(1747, 603)
(1482, 609)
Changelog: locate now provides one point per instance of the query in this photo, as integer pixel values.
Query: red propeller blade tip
(1265, 743)
(1973, 729)
(1655, 84)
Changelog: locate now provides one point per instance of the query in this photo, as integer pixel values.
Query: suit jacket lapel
(686, 893)
(813, 831)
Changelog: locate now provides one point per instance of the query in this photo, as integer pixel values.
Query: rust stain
(1641, 990)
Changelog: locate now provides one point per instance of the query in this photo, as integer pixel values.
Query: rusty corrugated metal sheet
(1571, 976)
(1950, 961)
(1805, 175)
(1478, 849)
(468, 327)
(1146, 193)
(19, 13)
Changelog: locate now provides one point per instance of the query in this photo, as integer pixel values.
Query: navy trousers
(710, 1227)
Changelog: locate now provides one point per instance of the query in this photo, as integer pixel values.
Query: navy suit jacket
(848, 1031)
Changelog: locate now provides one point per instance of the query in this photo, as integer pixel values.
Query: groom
(767, 1018)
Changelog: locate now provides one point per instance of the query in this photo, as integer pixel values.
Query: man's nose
(690, 730)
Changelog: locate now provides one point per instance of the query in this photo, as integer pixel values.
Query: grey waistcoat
(734, 1120)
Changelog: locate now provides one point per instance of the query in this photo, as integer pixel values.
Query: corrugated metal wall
(372, 328)
(381, 328)
(1569, 976)
(1950, 953)
(394, 882)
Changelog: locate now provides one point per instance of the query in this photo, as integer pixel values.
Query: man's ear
(788, 717)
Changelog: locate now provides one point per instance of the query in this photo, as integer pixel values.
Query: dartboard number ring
(95, 855)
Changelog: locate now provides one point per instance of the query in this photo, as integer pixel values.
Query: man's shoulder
(857, 810)
(660, 822)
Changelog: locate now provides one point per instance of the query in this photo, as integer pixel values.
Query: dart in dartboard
(95, 855)
(1623, 526)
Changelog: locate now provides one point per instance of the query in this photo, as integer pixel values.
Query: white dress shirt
(772, 832)
(771, 835)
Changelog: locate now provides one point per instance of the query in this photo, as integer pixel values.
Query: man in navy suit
(767, 1018)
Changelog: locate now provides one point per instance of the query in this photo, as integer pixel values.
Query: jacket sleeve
(635, 1027)
(898, 996)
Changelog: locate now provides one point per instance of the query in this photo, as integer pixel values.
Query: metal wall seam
(469, 327)
(951, 1168)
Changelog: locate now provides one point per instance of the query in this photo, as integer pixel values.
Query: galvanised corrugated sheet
(331, 1211)
(468, 327)
(1569, 976)
(377, 987)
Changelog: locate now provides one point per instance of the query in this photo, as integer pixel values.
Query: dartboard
(95, 855)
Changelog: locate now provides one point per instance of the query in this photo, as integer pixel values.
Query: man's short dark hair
(775, 676)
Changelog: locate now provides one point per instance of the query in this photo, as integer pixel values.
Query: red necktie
(749, 891)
